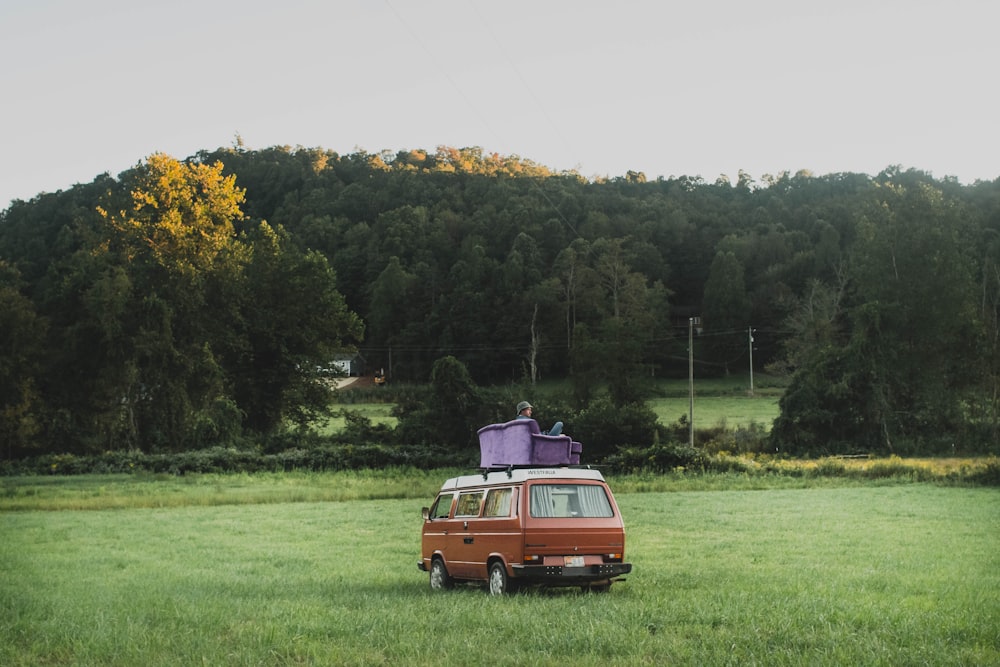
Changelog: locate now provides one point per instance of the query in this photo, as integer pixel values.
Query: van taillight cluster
(533, 559)
(612, 558)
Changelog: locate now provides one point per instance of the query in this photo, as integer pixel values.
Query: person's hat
(522, 405)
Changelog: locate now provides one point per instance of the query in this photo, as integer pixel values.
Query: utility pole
(750, 336)
(691, 382)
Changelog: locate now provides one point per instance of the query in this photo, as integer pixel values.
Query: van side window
(469, 504)
(498, 502)
(442, 506)
(569, 500)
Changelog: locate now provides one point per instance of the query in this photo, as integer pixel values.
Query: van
(557, 526)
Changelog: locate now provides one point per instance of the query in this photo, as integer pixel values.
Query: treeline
(185, 305)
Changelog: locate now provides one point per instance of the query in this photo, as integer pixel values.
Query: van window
(569, 500)
(469, 503)
(498, 502)
(442, 506)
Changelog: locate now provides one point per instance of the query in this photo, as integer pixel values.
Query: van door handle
(468, 540)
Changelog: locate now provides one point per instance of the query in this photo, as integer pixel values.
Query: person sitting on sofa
(524, 412)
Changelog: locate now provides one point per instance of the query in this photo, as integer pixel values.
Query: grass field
(718, 402)
(378, 413)
(709, 411)
(887, 574)
(712, 411)
(725, 402)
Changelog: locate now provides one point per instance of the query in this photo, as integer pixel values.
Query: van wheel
(440, 579)
(499, 581)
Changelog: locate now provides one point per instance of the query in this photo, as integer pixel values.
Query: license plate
(573, 561)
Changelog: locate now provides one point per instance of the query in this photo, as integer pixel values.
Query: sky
(667, 88)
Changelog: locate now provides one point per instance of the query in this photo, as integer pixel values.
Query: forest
(192, 303)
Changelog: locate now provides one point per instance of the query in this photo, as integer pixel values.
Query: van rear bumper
(570, 574)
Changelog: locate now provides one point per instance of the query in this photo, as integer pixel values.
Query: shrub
(987, 476)
(312, 456)
(449, 411)
(829, 468)
(724, 463)
(359, 428)
(752, 439)
(603, 427)
(896, 467)
(658, 458)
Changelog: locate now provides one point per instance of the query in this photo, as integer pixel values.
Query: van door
(498, 531)
(461, 541)
(436, 528)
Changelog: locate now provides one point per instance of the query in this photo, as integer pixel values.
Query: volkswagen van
(557, 526)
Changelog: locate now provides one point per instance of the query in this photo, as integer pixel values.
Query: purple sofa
(521, 442)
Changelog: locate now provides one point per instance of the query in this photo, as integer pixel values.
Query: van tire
(499, 583)
(440, 579)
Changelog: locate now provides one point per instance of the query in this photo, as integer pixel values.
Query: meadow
(725, 402)
(719, 402)
(235, 571)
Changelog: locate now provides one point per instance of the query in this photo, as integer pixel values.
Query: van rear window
(569, 500)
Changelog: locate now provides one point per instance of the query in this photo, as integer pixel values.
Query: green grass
(92, 492)
(874, 575)
(718, 402)
(711, 411)
(725, 402)
(378, 413)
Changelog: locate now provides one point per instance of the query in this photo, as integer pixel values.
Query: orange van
(555, 526)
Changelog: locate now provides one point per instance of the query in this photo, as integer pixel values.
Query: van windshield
(570, 500)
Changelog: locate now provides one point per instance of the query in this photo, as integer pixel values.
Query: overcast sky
(696, 88)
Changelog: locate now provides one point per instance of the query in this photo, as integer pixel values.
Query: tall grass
(91, 492)
(731, 472)
(906, 574)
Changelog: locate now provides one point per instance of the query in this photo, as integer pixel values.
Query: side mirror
(426, 513)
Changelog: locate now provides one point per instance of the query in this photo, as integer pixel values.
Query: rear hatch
(572, 524)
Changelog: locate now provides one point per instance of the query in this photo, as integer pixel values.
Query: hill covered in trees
(183, 304)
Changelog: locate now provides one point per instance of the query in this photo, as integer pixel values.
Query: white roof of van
(519, 475)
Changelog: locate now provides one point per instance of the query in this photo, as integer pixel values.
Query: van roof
(520, 475)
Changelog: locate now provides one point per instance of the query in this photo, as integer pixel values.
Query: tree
(899, 377)
(613, 349)
(171, 331)
(167, 323)
(725, 309)
(913, 315)
(452, 413)
(172, 258)
(393, 295)
(22, 333)
(293, 321)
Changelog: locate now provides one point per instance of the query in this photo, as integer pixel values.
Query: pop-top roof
(519, 475)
